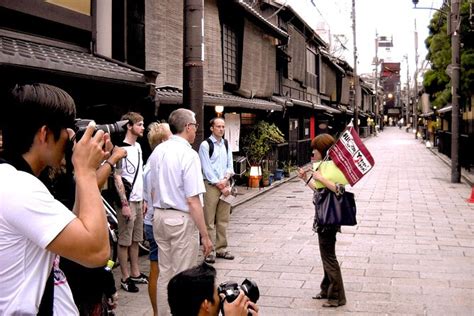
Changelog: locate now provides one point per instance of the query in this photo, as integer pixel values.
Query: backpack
(211, 146)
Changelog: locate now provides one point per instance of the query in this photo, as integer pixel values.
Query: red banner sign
(351, 156)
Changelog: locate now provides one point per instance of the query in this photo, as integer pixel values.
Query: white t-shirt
(129, 166)
(30, 218)
(175, 174)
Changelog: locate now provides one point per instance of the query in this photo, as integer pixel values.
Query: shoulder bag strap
(138, 166)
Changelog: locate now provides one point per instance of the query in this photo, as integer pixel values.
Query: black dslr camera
(231, 290)
(114, 128)
(80, 126)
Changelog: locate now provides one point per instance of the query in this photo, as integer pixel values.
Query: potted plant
(258, 143)
(278, 174)
(267, 178)
(288, 167)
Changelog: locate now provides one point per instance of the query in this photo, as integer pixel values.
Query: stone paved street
(412, 252)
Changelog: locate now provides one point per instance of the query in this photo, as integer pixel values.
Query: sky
(386, 17)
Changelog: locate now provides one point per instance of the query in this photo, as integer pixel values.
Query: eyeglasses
(196, 125)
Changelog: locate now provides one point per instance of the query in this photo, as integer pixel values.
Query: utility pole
(415, 102)
(376, 80)
(454, 71)
(407, 109)
(356, 77)
(455, 85)
(193, 58)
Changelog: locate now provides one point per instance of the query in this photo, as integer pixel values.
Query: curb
(447, 161)
(263, 190)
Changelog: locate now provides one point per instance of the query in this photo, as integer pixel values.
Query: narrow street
(412, 252)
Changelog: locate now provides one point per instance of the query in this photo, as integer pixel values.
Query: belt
(207, 181)
(167, 208)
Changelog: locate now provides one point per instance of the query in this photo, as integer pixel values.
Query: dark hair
(188, 289)
(322, 143)
(31, 106)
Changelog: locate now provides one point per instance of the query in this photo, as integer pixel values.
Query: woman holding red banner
(327, 175)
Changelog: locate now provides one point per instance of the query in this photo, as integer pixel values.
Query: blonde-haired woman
(327, 176)
(157, 133)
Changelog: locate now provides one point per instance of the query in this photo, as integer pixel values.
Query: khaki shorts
(131, 230)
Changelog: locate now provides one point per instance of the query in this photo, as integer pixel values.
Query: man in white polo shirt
(177, 188)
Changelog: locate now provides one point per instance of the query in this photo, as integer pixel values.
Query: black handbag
(332, 209)
(128, 187)
(113, 194)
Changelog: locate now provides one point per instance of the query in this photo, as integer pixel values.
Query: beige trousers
(178, 248)
(216, 215)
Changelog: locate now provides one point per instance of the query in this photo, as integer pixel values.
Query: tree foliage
(436, 81)
(259, 142)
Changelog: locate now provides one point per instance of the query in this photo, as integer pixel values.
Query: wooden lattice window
(311, 74)
(230, 52)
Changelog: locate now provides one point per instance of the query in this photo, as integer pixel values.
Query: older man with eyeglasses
(177, 188)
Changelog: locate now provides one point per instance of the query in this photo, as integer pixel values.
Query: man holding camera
(217, 167)
(193, 292)
(34, 227)
(130, 218)
(177, 186)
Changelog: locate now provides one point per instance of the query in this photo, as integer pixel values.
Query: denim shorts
(151, 239)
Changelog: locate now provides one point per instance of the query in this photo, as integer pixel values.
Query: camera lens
(114, 128)
(251, 290)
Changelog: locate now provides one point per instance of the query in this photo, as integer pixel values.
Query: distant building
(390, 81)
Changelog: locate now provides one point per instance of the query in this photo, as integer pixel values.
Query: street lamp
(454, 26)
(356, 76)
(219, 109)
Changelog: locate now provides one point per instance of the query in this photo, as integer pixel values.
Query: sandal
(225, 255)
(332, 303)
(319, 296)
(211, 258)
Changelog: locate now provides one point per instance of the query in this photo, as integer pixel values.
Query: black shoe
(128, 285)
(141, 279)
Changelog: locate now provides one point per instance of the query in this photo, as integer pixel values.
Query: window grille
(230, 52)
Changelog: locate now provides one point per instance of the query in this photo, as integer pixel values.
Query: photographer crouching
(35, 227)
(193, 292)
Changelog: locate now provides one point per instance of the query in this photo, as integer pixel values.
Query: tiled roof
(311, 105)
(333, 60)
(168, 95)
(30, 54)
(248, 8)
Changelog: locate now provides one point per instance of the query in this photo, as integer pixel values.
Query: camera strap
(138, 166)
(138, 163)
(46, 305)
